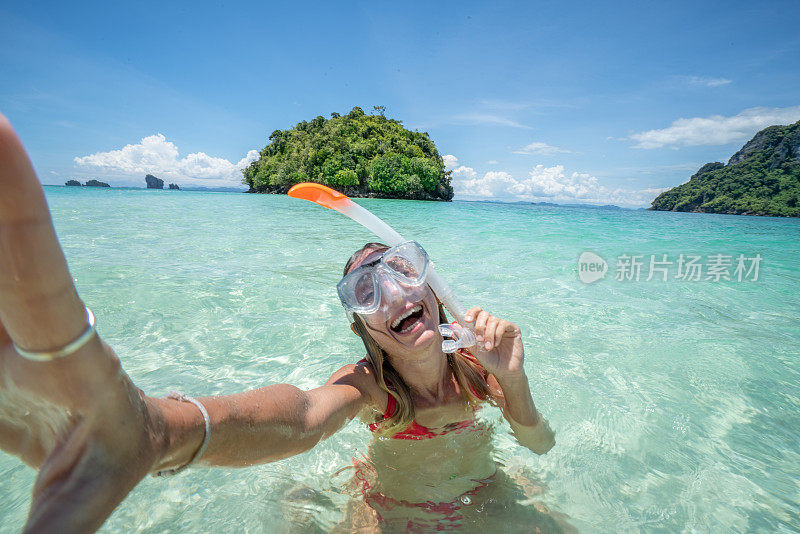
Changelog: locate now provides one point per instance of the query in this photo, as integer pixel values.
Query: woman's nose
(390, 289)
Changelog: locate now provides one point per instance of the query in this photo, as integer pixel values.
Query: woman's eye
(403, 266)
(364, 290)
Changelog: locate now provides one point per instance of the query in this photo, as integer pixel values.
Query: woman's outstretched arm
(262, 425)
(79, 419)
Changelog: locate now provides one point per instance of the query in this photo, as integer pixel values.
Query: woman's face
(402, 325)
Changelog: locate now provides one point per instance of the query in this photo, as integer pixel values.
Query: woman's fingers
(489, 335)
(36, 288)
(490, 330)
(472, 313)
(480, 324)
(499, 330)
(505, 329)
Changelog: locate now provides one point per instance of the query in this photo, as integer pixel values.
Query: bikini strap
(391, 407)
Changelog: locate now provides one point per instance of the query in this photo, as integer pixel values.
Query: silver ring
(75, 346)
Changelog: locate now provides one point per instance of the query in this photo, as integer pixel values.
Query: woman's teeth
(408, 313)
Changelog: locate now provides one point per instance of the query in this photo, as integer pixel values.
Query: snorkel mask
(401, 271)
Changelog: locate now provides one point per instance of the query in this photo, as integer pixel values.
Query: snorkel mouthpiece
(462, 338)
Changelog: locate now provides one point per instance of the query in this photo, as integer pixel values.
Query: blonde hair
(468, 373)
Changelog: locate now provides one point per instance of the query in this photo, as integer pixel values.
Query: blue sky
(584, 102)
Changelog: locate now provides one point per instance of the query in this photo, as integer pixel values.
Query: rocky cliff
(762, 178)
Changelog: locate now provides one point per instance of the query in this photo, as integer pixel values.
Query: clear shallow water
(676, 404)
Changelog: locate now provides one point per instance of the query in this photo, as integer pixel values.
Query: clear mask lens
(402, 269)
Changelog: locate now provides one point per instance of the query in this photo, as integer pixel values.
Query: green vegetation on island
(361, 155)
(763, 178)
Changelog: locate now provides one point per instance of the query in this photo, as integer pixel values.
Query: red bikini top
(415, 430)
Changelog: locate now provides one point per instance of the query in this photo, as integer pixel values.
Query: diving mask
(402, 268)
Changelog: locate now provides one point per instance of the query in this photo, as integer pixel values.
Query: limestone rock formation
(153, 182)
(762, 178)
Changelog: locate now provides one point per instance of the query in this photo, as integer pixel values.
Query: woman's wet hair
(469, 375)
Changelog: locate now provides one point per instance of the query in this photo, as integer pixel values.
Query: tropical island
(361, 155)
(763, 178)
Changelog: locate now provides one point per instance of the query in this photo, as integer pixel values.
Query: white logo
(591, 267)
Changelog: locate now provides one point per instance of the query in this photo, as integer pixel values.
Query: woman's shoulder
(362, 376)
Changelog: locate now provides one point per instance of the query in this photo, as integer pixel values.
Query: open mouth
(406, 322)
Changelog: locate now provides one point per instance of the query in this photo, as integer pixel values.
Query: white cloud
(541, 148)
(459, 172)
(494, 184)
(450, 161)
(551, 184)
(490, 118)
(492, 162)
(707, 81)
(155, 155)
(716, 129)
(463, 173)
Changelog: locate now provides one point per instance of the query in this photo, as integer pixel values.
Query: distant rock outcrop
(74, 183)
(96, 183)
(174, 186)
(153, 182)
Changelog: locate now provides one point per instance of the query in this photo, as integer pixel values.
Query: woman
(423, 400)
(69, 410)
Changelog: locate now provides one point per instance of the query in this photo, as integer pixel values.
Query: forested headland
(763, 178)
(358, 154)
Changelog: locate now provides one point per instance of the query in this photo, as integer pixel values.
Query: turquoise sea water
(676, 403)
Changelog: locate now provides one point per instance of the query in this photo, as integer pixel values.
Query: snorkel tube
(334, 200)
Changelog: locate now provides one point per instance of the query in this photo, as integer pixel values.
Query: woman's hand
(499, 346)
(78, 419)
